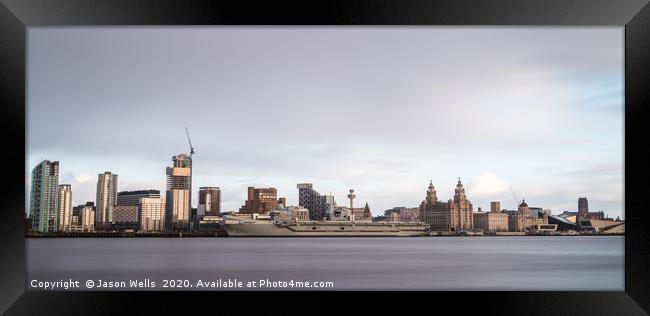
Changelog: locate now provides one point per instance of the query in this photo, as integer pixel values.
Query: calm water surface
(442, 263)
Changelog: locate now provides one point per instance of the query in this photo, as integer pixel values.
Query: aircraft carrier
(242, 227)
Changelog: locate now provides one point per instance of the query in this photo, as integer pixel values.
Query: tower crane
(515, 196)
(189, 222)
(189, 141)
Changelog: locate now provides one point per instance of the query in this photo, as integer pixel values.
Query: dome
(523, 203)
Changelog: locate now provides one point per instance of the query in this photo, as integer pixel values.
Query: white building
(106, 197)
(64, 208)
(152, 214)
(87, 214)
(43, 200)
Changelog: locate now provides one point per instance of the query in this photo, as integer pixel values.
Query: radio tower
(351, 196)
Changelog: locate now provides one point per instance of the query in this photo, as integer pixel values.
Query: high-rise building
(43, 201)
(64, 208)
(461, 209)
(260, 200)
(152, 214)
(330, 204)
(209, 201)
(435, 213)
(133, 197)
(178, 196)
(106, 197)
(310, 199)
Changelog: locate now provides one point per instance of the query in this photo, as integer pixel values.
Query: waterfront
(450, 263)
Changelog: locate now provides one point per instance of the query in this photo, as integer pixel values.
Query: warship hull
(253, 228)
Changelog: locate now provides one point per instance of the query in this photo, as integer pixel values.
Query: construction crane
(515, 196)
(189, 141)
(189, 223)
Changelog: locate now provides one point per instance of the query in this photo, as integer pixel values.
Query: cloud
(488, 184)
(83, 178)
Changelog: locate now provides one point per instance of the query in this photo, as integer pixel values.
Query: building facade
(491, 221)
(260, 201)
(403, 214)
(330, 203)
(461, 209)
(152, 214)
(410, 214)
(83, 218)
(362, 213)
(106, 197)
(177, 199)
(435, 213)
(583, 207)
(43, 200)
(126, 217)
(301, 214)
(495, 206)
(133, 197)
(317, 204)
(393, 215)
(522, 220)
(64, 208)
(583, 214)
(209, 201)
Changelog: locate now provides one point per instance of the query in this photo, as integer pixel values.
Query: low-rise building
(84, 215)
(260, 200)
(209, 223)
(152, 214)
(403, 214)
(522, 220)
(491, 221)
(362, 213)
(126, 217)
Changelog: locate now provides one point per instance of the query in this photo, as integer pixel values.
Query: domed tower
(434, 212)
(461, 208)
(431, 193)
(523, 208)
(460, 191)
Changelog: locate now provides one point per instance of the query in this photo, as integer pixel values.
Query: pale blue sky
(378, 109)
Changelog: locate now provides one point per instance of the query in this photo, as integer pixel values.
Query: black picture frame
(17, 15)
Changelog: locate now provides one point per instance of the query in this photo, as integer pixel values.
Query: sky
(382, 110)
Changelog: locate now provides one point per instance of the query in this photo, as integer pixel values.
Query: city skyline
(582, 201)
(379, 110)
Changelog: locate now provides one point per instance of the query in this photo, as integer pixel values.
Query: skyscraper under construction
(178, 194)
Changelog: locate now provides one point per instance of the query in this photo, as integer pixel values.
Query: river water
(427, 263)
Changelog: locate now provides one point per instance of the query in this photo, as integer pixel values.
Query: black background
(16, 15)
